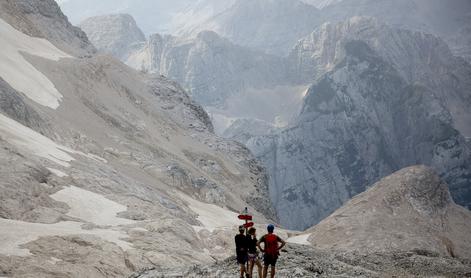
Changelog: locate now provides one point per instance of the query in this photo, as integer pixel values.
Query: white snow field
(91, 207)
(85, 205)
(57, 172)
(27, 139)
(212, 217)
(19, 73)
(300, 239)
(15, 233)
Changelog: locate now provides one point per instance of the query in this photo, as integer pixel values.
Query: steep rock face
(106, 170)
(419, 58)
(113, 34)
(272, 26)
(360, 122)
(210, 67)
(45, 20)
(409, 210)
(436, 17)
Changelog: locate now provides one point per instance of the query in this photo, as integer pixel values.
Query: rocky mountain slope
(435, 17)
(420, 59)
(113, 34)
(410, 209)
(406, 225)
(360, 122)
(106, 170)
(211, 67)
(43, 20)
(272, 26)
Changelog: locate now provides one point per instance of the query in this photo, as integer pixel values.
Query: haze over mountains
(318, 158)
(113, 168)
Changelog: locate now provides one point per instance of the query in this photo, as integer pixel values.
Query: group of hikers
(248, 255)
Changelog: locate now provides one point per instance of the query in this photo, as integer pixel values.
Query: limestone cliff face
(113, 34)
(210, 67)
(360, 121)
(419, 58)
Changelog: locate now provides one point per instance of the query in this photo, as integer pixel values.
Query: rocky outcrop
(409, 210)
(113, 34)
(44, 19)
(360, 122)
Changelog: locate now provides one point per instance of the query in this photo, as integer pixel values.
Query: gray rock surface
(443, 19)
(272, 26)
(151, 16)
(113, 34)
(303, 261)
(45, 20)
(419, 58)
(359, 122)
(242, 130)
(210, 67)
(409, 210)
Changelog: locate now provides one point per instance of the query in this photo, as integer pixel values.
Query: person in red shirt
(271, 249)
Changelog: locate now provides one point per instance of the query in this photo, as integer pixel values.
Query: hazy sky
(151, 15)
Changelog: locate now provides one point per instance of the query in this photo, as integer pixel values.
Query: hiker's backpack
(271, 244)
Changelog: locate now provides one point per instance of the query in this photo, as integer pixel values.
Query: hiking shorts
(270, 259)
(253, 257)
(242, 258)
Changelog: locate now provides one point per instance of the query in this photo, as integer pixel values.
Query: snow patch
(15, 233)
(28, 139)
(212, 217)
(91, 207)
(300, 239)
(19, 73)
(54, 260)
(58, 173)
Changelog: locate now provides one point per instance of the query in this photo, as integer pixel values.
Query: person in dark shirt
(253, 253)
(241, 250)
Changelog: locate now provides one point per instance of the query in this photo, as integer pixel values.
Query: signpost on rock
(246, 217)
